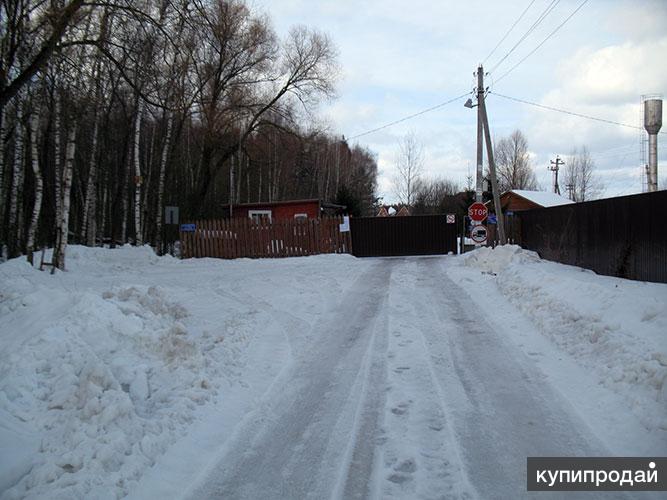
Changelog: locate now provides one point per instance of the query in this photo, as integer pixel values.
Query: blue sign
(491, 219)
(188, 228)
(509, 212)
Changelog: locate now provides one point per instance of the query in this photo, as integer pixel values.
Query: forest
(112, 110)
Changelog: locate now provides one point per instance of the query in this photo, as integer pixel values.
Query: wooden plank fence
(243, 237)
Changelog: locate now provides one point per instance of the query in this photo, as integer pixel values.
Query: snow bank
(616, 328)
(495, 260)
(103, 367)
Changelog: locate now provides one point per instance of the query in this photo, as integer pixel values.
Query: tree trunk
(89, 226)
(2, 167)
(63, 223)
(161, 177)
(37, 208)
(13, 235)
(56, 155)
(137, 176)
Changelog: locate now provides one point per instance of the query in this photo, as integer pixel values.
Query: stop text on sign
(477, 211)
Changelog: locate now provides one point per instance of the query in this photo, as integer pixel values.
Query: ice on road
(402, 390)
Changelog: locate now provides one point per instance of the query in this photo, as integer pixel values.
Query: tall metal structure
(652, 124)
(644, 141)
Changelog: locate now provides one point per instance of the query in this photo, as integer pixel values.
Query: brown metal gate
(410, 235)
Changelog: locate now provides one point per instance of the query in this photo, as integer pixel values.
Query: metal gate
(409, 235)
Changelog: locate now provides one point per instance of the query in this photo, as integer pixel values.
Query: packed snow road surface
(320, 377)
(406, 392)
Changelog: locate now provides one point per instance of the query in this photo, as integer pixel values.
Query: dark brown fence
(410, 235)
(242, 237)
(624, 237)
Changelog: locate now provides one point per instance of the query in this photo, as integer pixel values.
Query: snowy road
(401, 390)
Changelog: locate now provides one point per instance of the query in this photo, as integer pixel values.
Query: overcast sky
(400, 57)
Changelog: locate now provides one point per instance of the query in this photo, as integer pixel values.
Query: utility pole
(555, 165)
(570, 191)
(481, 112)
(480, 160)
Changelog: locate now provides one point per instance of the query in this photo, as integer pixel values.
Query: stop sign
(478, 211)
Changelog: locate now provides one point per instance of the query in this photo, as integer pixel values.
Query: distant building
(291, 209)
(517, 200)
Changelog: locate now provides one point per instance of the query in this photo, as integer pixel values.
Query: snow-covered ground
(132, 374)
(613, 328)
(105, 366)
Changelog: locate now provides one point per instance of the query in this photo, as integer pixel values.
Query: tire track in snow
(294, 446)
(420, 457)
(502, 408)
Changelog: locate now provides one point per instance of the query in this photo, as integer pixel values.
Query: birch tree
(63, 224)
(37, 207)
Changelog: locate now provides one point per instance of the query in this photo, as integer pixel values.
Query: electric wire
(564, 111)
(409, 117)
(537, 22)
(509, 31)
(543, 41)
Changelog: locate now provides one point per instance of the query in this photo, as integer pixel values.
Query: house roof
(276, 203)
(543, 198)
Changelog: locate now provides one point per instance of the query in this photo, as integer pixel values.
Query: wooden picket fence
(243, 237)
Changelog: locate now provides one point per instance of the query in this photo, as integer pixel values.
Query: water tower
(652, 124)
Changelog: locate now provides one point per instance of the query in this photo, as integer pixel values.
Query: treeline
(111, 110)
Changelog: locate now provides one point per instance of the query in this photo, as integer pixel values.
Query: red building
(292, 209)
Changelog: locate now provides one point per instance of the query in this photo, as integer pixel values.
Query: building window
(259, 215)
(300, 216)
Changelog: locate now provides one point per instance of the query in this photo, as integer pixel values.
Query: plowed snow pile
(103, 367)
(613, 327)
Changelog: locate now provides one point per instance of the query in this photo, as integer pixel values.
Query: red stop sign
(478, 211)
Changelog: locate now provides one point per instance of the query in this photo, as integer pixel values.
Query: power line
(537, 22)
(543, 41)
(509, 31)
(409, 117)
(580, 115)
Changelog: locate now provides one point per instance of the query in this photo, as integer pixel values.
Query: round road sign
(478, 234)
(478, 211)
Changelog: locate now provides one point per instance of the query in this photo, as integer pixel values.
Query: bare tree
(170, 95)
(580, 178)
(409, 167)
(513, 163)
(434, 196)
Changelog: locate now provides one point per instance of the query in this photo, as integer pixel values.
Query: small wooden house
(290, 209)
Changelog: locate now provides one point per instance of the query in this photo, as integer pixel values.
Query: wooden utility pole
(500, 223)
(554, 167)
(480, 160)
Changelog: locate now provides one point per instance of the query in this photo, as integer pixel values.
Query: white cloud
(400, 58)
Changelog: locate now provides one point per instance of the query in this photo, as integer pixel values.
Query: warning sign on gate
(451, 219)
(478, 234)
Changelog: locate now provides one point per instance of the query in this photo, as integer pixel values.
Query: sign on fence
(188, 228)
(171, 215)
(345, 226)
(451, 219)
